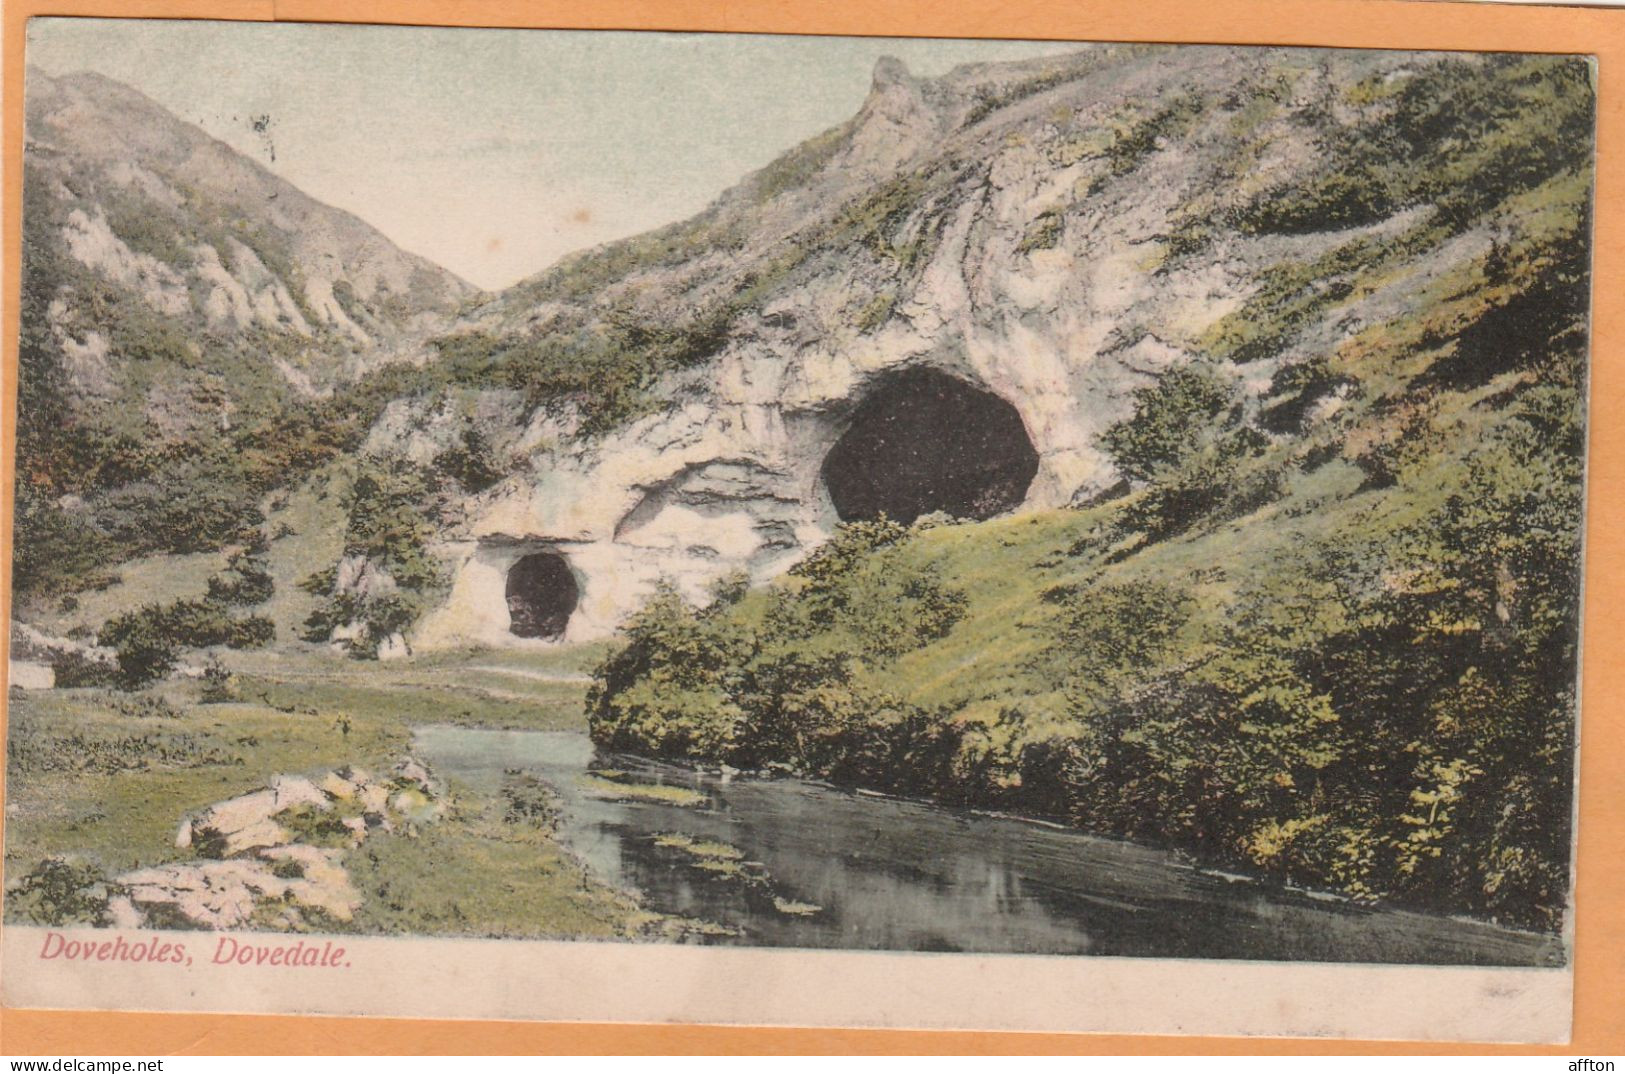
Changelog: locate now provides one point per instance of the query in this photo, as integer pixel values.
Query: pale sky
(495, 152)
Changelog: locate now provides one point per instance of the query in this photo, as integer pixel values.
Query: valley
(1179, 447)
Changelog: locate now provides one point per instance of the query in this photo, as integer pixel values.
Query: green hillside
(1331, 636)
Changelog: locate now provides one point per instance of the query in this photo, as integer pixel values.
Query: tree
(1171, 422)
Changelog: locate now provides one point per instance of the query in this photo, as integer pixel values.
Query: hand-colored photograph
(880, 495)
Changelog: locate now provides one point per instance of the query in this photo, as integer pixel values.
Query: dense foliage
(149, 641)
(391, 512)
(774, 687)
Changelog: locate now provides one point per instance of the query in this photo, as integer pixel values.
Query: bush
(1187, 442)
(146, 650)
(73, 668)
(245, 582)
(664, 690)
(149, 640)
(769, 680)
(470, 462)
(55, 551)
(1169, 421)
(60, 892)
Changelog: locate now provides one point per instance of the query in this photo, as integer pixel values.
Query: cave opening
(542, 593)
(923, 441)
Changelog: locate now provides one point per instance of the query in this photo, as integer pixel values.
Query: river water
(787, 863)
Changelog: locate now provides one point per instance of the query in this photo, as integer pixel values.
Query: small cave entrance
(542, 593)
(924, 441)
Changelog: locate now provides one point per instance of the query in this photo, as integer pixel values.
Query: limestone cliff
(1048, 236)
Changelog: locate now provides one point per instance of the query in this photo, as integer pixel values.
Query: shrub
(60, 892)
(146, 650)
(1136, 141)
(1044, 233)
(246, 581)
(219, 685)
(469, 461)
(392, 508)
(1113, 632)
(1187, 442)
(149, 640)
(55, 551)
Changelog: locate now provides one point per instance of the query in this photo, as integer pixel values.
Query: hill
(182, 307)
(1307, 600)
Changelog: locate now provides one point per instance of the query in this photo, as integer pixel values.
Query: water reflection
(787, 863)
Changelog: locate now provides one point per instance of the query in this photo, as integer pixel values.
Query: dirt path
(570, 678)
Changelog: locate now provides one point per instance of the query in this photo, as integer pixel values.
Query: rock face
(1015, 234)
(202, 235)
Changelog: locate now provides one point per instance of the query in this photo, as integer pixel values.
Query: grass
(124, 819)
(700, 848)
(656, 793)
(513, 881)
(95, 777)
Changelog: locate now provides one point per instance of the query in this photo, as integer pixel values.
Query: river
(789, 863)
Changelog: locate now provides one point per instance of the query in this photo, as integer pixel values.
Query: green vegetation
(246, 580)
(1461, 136)
(990, 99)
(516, 882)
(616, 790)
(149, 640)
(1135, 141)
(391, 512)
(1044, 232)
(1330, 637)
(172, 440)
(146, 233)
(795, 169)
(98, 780)
(1187, 441)
(1347, 695)
(766, 679)
(895, 222)
(604, 370)
(469, 462)
(62, 893)
(1332, 645)
(876, 312)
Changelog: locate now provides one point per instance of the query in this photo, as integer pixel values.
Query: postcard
(788, 530)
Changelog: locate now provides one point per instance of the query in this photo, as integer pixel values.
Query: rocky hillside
(181, 306)
(1300, 343)
(197, 230)
(1048, 237)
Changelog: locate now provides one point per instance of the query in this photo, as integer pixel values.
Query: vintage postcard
(734, 528)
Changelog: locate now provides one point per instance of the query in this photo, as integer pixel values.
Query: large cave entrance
(924, 441)
(542, 592)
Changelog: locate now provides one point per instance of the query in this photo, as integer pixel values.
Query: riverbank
(102, 778)
(784, 862)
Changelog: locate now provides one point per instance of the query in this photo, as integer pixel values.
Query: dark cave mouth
(542, 594)
(923, 441)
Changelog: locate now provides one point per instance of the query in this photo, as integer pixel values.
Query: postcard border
(1599, 953)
